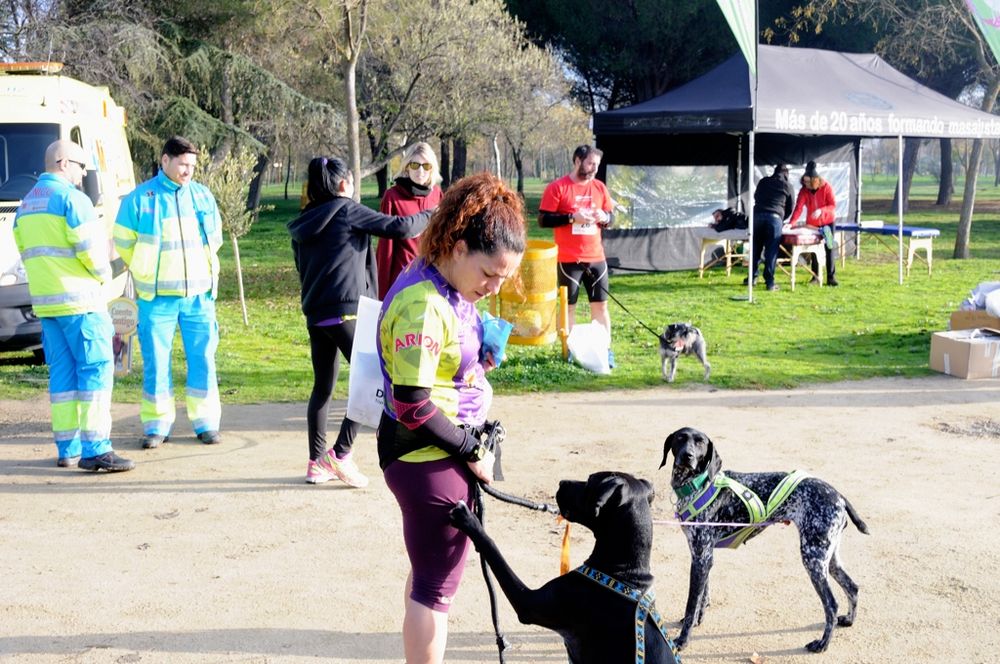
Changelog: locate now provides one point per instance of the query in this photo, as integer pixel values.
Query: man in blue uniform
(169, 232)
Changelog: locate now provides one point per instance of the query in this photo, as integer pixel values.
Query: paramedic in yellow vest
(169, 232)
(64, 247)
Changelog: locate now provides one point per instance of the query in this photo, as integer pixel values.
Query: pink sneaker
(345, 469)
(317, 474)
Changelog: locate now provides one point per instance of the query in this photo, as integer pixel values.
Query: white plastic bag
(992, 302)
(588, 344)
(365, 388)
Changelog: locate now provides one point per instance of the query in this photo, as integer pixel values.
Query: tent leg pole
(899, 183)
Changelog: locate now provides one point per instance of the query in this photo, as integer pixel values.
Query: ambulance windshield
(22, 156)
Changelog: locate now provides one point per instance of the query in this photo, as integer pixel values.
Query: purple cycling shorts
(426, 492)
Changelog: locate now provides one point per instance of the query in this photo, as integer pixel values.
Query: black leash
(517, 500)
(619, 303)
(495, 434)
(479, 509)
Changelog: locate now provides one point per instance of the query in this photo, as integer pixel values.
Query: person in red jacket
(416, 190)
(816, 197)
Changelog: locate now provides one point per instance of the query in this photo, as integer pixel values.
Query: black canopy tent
(811, 104)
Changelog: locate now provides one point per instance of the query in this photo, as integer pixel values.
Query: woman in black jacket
(331, 243)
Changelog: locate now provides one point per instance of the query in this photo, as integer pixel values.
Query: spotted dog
(604, 609)
(681, 339)
(707, 494)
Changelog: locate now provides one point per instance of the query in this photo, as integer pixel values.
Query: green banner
(742, 18)
(987, 16)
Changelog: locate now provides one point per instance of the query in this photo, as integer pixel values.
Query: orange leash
(564, 554)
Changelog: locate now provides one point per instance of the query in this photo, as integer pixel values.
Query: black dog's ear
(609, 487)
(650, 490)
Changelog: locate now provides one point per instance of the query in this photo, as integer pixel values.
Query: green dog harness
(694, 502)
(644, 607)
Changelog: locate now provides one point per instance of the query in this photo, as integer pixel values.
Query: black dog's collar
(692, 486)
(645, 607)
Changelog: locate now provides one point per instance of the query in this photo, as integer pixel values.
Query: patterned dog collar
(644, 607)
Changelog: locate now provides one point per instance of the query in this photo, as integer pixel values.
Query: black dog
(591, 607)
(707, 495)
(681, 339)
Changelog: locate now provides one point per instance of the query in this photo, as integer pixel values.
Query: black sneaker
(772, 287)
(153, 440)
(210, 437)
(108, 461)
(832, 282)
(746, 281)
(814, 281)
(67, 462)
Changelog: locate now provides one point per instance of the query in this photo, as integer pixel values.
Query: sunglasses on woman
(416, 166)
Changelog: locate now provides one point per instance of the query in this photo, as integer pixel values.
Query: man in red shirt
(576, 207)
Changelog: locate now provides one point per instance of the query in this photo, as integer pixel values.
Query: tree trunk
(459, 159)
(911, 149)
(964, 231)
(996, 163)
(496, 154)
(239, 278)
(517, 157)
(445, 162)
(353, 125)
(946, 187)
(253, 196)
(288, 171)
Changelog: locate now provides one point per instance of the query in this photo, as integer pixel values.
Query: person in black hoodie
(772, 204)
(331, 244)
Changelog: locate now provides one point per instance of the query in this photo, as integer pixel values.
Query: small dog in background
(681, 339)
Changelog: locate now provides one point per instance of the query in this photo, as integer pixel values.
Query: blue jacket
(169, 235)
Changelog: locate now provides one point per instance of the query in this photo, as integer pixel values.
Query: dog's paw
(462, 517)
(819, 645)
(844, 621)
(680, 642)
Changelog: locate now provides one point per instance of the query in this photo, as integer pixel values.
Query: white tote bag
(365, 389)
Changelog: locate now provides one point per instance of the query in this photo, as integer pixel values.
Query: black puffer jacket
(774, 194)
(333, 254)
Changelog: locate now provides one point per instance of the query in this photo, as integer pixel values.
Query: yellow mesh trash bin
(534, 311)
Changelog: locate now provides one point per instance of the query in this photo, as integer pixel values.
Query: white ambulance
(38, 106)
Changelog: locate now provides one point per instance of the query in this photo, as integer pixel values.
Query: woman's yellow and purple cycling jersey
(430, 337)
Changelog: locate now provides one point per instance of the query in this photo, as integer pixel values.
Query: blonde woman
(416, 190)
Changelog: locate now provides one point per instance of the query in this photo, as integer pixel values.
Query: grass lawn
(869, 326)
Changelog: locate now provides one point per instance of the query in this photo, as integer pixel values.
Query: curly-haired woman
(430, 348)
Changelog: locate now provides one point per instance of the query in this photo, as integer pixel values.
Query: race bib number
(584, 229)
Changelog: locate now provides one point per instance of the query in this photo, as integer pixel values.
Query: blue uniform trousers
(159, 319)
(81, 376)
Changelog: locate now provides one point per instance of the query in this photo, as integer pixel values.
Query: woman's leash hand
(483, 469)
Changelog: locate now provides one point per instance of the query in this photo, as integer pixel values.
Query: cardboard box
(971, 353)
(966, 320)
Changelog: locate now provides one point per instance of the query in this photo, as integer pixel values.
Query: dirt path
(223, 554)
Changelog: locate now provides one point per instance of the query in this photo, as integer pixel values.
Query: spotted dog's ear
(713, 462)
(668, 446)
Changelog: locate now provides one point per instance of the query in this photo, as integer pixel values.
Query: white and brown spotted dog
(819, 512)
